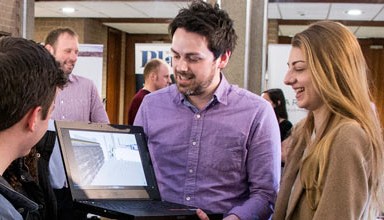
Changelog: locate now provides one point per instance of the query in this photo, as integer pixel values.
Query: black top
(285, 128)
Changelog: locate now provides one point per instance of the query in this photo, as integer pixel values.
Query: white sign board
(90, 64)
(147, 51)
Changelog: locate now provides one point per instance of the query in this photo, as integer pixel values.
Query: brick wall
(10, 21)
(273, 32)
(95, 32)
(45, 25)
(90, 31)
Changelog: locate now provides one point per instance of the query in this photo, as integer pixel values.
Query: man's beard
(195, 88)
(67, 71)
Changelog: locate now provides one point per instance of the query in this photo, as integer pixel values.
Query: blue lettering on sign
(147, 55)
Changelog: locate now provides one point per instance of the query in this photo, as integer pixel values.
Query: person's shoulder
(161, 96)
(349, 137)
(84, 83)
(7, 211)
(351, 129)
(246, 95)
(164, 92)
(140, 95)
(81, 79)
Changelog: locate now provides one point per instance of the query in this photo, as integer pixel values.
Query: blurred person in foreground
(335, 167)
(30, 78)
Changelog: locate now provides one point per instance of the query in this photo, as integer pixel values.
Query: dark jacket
(13, 204)
(30, 176)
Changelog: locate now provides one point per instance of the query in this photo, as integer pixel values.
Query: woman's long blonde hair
(339, 75)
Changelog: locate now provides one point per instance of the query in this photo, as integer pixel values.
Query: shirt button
(61, 101)
(188, 198)
(198, 116)
(190, 171)
(63, 117)
(194, 143)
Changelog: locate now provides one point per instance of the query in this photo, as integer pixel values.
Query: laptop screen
(99, 156)
(106, 161)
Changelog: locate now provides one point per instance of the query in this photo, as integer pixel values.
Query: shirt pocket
(224, 153)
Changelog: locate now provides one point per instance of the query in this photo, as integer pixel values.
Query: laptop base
(178, 212)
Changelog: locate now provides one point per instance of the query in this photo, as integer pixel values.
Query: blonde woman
(336, 164)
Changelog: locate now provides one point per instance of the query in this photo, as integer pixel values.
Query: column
(248, 62)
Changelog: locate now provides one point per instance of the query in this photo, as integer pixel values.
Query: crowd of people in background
(214, 146)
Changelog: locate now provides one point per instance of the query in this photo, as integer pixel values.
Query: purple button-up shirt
(224, 158)
(79, 101)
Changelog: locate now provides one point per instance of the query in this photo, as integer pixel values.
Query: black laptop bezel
(150, 191)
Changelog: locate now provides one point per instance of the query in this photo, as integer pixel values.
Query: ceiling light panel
(159, 9)
(273, 11)
(380, 16)
(140, 28)
(53, 9)
(113, 10)
(304, 11)
(369, 11)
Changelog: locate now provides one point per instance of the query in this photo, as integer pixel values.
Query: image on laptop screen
(107, 160)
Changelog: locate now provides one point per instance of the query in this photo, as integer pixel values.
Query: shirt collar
(73, 78)
(220, 94)
(70, 77)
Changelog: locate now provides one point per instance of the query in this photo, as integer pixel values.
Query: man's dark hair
(277, 97)
(208, 21)
(29, 77)
(53, 35)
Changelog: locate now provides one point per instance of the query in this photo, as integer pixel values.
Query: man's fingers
(201, 214)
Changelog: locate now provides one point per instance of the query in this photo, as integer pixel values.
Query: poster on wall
(147, 51)
(277, 68)
(90, 64)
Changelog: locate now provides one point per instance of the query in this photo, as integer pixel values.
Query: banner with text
(147, 51)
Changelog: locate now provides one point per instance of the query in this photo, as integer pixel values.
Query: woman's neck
(320, 116)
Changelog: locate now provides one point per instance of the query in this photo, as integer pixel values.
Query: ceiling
(151, 17)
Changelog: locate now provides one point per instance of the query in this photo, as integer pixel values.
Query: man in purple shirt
(214, 146)
(78, 101)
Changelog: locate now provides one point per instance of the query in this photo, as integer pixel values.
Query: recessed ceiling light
(68, 10)
(354, 12)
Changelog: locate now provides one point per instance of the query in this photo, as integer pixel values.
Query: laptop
(109, 173)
